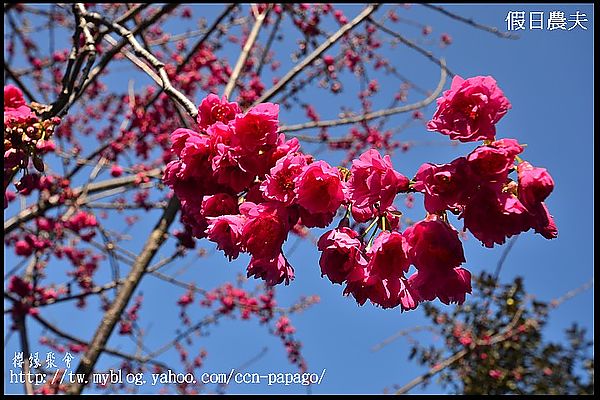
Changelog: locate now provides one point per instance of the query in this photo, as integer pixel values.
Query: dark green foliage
(499, 330)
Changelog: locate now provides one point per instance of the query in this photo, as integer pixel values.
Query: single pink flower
(492, 215)
(184, 185)
(213, 109)
(179, 138)
(193, 218)
(445, 185)
(535, 184)
(23, 248)
(13, 97)
(340, 254)
(220, 133)
(285, 147)
(450, 286)
(492, 163)
(511, 146)
(280, 182)
(256, 128)
(319, 188)
(387, 293)
(434, 245)
(470, 110)
(373, 181)
(388, 256)
(228, 170)
(195, 155)
(116, 170)
(542, 221)
(219, 204)
(265, 230)
(272, 270)
(226, 231)
(315, 220)
(393, 292)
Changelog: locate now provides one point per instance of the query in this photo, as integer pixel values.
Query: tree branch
(246, 51)
(470, 21)
(507, 332)
(412, 45)
(54, 201)
(316, 53)
(374, 114)
(158, 65)
(112, 316)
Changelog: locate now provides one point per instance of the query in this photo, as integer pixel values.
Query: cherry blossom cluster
(478, 187)
(245, 187)
(26, 138)
(48, 236)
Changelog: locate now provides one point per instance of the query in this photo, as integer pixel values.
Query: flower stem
(371, 225)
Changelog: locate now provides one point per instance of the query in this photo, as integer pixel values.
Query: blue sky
(548, 77)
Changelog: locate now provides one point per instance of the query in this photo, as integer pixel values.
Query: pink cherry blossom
(492, 163)
(469, 111)
(373, 180)
(319, 188)
(341, 253)
(388, 256)
(434, 245)
(256, 128)
(226, 231)
(493, 215)
(449, 286)
(213, 109)
(265, 230)
(279, 184)
(535, 184)
(445, 186)
(273, 271)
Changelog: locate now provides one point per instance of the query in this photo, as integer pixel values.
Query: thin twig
(112, 316)
(245, 52)
(374, 114)
(158, 65)
(473, 23)
(269, 43)
(505, 253)
(412, 45)
(54, 201)
(316, 53)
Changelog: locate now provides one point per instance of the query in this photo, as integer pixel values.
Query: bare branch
(437, 368)
(54, 201)
(316, 53)
(112, 316)
(412, 45)
(269, 43)
(505, 253)
(12, 75)
(473, 23)
(109, 55)
(158, 65)
(246, 51)
(374, 114)
(131, 13)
